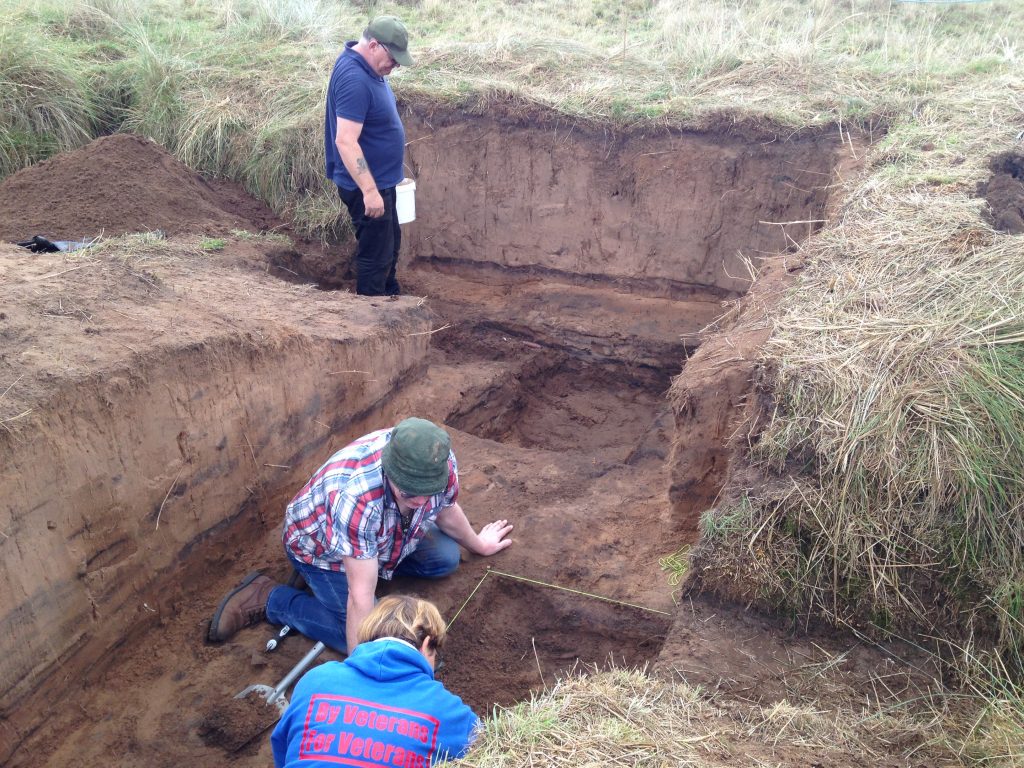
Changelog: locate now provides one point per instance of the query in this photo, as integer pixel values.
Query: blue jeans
(321, 616)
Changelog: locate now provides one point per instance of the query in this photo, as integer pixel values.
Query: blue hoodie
(380, 708)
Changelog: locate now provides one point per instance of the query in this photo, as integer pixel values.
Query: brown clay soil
(142, 189)
(554, 394)
(1004, 192)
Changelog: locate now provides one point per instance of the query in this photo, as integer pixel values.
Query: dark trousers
(378, 241)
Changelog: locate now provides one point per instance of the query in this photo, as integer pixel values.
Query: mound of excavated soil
(1004, 192)
(120, 184)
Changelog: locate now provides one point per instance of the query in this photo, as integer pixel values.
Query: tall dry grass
(634, 718)
(47, 105)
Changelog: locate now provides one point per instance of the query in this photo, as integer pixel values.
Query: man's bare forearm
(362, 585)
(357, 167)
(453, 521)
(357, 611)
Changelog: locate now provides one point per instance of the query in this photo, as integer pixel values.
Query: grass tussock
(46, 104)
(625, 717)
(894, 456)
(156, 78)
(888, 484)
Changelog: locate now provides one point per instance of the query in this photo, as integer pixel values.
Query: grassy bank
(235, 87)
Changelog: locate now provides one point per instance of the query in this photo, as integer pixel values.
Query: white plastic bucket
(405, 201)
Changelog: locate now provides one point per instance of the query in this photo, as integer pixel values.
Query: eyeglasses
(391, 59)
(396, 491)
(407, 496)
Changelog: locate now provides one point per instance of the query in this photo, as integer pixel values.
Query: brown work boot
(243, 606)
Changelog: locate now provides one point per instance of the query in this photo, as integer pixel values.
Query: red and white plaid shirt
(347, 510)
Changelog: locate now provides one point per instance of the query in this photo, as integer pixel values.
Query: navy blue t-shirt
(359, 94)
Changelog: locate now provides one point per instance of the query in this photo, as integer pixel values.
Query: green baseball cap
(391, 33)
(416, 457)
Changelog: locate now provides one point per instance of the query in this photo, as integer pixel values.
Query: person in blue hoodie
(381, 707)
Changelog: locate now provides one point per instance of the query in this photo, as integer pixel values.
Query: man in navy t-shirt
(365, 145)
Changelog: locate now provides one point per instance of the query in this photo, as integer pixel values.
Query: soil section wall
(127, 463)
(715, 399)
(669, 214)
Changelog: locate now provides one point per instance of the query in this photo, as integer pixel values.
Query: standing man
(364, 143)
(383, 505)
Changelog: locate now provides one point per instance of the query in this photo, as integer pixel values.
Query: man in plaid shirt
(385, 504)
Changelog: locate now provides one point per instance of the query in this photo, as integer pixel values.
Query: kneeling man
(386, 504)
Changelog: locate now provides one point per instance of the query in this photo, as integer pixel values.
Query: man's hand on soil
(492, 537)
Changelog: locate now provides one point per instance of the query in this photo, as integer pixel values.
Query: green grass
(212, 244)
(47, 104)
(235, 87)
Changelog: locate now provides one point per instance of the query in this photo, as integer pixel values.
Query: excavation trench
(566, 277)
(546, 631)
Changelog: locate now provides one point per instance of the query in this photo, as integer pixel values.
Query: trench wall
(664, 214)
(124, 475)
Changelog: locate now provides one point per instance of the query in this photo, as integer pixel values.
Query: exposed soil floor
(553, 394)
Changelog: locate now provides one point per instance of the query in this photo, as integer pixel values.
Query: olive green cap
(391, 33)
(415, 459)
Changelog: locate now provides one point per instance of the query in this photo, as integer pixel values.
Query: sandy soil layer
(671, 213)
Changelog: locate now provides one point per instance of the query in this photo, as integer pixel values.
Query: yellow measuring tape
(552, 586)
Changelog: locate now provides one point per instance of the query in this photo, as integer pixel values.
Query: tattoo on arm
(361, 165)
